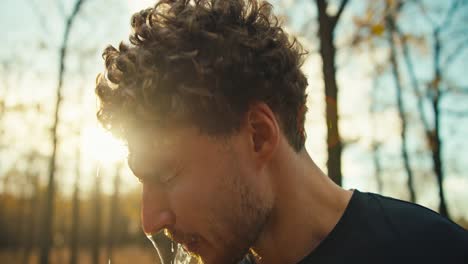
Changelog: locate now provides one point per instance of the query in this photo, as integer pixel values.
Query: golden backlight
(102, 147)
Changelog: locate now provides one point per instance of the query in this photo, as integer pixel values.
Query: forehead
(158, 138)
(174, 139)
(157, 148)
(161, 150)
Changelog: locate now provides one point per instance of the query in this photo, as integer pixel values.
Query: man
(211, 100)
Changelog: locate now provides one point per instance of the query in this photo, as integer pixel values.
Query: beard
(247, 218)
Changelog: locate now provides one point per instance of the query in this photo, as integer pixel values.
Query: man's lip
(188, 242)
(190, 246)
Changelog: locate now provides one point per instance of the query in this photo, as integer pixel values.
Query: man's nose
(155, 211)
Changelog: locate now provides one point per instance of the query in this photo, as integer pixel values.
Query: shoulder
(409, 214)
(420, 227)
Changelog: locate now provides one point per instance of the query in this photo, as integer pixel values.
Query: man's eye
(157, 179)
(166, 178)
(171, 175)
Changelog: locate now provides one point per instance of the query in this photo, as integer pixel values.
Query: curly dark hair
(202, 62)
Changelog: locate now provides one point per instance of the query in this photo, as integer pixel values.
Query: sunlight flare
(101, 146)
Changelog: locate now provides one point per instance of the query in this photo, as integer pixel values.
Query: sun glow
(101, 146)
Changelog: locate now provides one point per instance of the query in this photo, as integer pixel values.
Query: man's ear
(264, 131)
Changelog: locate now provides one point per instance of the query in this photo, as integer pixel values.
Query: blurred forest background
(387, 102)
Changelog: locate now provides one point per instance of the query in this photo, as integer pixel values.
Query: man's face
(205, 191)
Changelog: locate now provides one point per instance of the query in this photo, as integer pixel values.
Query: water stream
(170, 252)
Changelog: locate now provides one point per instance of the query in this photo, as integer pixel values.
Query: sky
(32, 35)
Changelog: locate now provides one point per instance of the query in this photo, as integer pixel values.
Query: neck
(307, 208)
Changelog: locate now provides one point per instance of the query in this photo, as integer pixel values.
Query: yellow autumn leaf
(377, 29)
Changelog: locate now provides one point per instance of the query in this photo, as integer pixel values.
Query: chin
(214, 258)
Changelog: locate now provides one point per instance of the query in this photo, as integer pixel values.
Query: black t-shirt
(379, 230)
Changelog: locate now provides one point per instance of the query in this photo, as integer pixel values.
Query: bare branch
(425, 14)
(456, 33)
(340, 11)
(412, 76)
(455, 113)
(449, 16)
(456, 52)
(447, 19)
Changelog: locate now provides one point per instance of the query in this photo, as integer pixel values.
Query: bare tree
(30, 236)
(375, 144)
(395, 68)
(438, 87)
(5, 71)
(447, 45)
(96, 224)
(114, 213)
(327, 25)
(47, 221)
(75, 210)
(24, 222)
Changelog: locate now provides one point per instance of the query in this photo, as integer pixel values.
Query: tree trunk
(48, 213)
(20, 217)
(413, 80)
(96, 237)
(375, 144)
(75, 214)
(114, 214)
(433, 135)
(401, 107)
(327, 25)
(31, 227)
(436, 141)
(24, 222)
